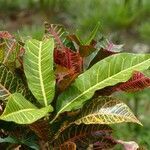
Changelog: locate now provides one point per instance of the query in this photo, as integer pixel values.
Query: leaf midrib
(40, 75)
(5, 88)
(108, 114)
(101, 83)
(16, 112)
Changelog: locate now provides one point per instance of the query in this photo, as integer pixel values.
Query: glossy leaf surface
(21, 111)
(38, 67)
(83, 135)
(108, 72)
(10, 83)
(106, 110)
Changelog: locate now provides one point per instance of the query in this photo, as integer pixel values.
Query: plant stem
(54, 119)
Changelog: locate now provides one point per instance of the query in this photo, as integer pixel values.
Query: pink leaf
(131, 145)
(5, 35)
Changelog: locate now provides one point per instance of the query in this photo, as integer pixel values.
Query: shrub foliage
(58, 92)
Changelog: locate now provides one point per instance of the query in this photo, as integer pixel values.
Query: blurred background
(123, 21)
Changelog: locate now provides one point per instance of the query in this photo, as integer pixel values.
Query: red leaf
(64, 77)
(68, 63)
(5, 35)
(56, 32)
(107, 143)
(69, 59)
(102, 53)
(131, 145)
(106, 48)
(136, 83)
(86, 50)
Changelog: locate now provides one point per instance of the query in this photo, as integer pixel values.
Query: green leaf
(106, 110)
(21, 111)
(93, 34)
(10, 83)
(28, 141)
(38, 67)
(109, 71)
(8, 139)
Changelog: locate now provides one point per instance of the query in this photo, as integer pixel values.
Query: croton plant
(57, 93)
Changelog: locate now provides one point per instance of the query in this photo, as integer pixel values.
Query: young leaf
(86, 50)
(10, 83)
(38, 67)
(106, 110)
(108, 72)
(93, 34)
(69, 59)
(21, 111)
(64, 77)
(57, 32)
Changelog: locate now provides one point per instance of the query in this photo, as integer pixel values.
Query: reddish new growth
(69, 65)
(5, 35)
(69, 59)
(68, 62)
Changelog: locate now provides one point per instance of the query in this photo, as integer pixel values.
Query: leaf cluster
(60, 89)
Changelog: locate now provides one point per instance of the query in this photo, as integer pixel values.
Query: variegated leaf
(21, 111)
(83, 135)
(57, 32)
(137, 82)
(108, 72)
(10, 83)
(41, 128)
(106, 110)
(10, 50)
(38, 67)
